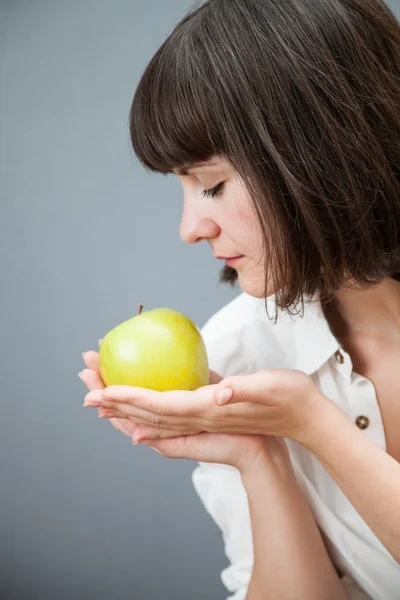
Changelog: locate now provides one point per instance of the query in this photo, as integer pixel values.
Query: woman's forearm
(367, 475)
(290, 558)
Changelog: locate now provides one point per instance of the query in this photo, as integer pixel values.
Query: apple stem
(140, 309)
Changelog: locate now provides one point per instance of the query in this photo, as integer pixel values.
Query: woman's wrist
(274, 458)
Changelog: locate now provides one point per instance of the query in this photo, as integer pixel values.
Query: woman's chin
(249, 283)
(251, 287)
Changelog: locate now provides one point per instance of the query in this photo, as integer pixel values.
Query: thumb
(245, 388)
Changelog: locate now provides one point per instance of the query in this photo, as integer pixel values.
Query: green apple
(160, 349)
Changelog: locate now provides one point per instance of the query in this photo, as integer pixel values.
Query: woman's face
(226, 220)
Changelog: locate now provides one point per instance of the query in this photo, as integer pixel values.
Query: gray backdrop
(87, 234)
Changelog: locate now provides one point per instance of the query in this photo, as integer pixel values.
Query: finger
(179, 447)
(91, 360)
(122, 410)
(91, 379)
(125, 411)
(94, 399)
(108, 413)
(124, 426)
(247, 388)
(174, 403)
(147, 432)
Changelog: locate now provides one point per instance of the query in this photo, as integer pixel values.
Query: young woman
(281, 119)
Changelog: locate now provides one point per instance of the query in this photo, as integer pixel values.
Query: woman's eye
(214, 191)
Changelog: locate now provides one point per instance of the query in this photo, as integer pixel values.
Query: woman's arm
(290, 558)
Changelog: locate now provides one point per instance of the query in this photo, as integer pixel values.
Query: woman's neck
(369, 312)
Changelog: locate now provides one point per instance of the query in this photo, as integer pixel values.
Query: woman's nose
(194, 228)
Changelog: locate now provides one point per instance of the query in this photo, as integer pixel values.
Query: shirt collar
(313, 343)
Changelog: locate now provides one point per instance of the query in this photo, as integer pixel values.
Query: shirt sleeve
(220, 486)
(222, 493)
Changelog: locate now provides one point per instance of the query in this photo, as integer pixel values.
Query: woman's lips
(232, 262)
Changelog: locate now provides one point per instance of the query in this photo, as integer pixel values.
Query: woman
(282, 122)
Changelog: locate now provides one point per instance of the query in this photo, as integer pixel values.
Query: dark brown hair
(302, 97)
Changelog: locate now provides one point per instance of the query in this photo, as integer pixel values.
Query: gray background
(86, 234)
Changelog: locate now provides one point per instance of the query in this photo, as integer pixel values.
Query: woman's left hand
(275, 402)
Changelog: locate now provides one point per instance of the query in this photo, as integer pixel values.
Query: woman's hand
(92, 379)
(276, 402)
(243, 452)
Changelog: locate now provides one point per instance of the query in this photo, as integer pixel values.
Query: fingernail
(138, 440)
(224, 396)
(84, 356)
(99, 342)
(80, 375)
(136, 436)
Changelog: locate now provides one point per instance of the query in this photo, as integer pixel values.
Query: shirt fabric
(241, 340)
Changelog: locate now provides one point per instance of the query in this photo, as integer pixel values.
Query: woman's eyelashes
(214, 191)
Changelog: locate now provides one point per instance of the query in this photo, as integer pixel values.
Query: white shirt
(240, 340)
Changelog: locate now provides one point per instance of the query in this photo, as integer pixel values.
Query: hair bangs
(172, 123)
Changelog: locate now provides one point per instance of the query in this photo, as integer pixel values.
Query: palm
(92, 379)
(224, 448)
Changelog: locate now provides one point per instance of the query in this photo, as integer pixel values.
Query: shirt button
(339, 357)
(362, 422)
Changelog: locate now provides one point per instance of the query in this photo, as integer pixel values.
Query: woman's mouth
(232, 262)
